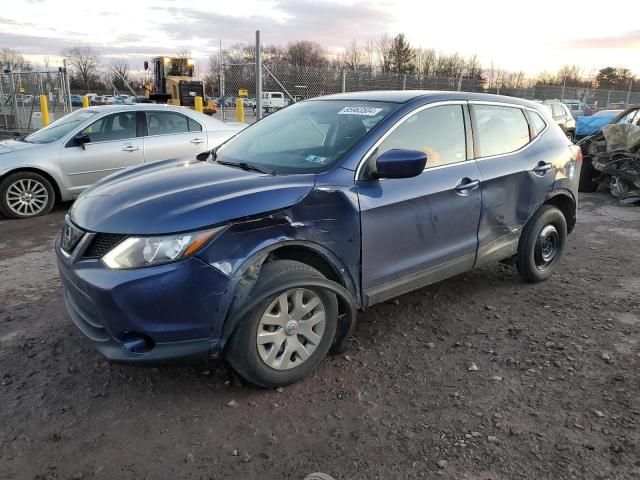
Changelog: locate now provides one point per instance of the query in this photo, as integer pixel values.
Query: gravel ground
(478, 377)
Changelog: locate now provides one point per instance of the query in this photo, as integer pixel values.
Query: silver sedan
(59, 161)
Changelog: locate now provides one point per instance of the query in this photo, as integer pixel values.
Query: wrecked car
(262, 251)
(610, 156)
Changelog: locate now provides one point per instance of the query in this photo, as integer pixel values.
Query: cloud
(330, 24)
(627, 40)
(39, 45)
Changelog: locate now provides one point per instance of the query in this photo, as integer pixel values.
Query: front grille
(102, 243)
(70, 236)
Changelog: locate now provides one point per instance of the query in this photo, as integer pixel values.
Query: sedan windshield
(60, 127)
(307, 137)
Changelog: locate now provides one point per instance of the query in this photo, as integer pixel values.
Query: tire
(39, 202)
(257, 363)
(542, 244)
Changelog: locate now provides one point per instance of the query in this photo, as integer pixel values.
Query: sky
(515, 35)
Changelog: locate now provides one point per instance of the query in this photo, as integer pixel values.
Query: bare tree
(383, 44)
(11, 59)
(370, 55)
(119, 72)
(425, 60)
(306, 54)
(85, 61)
(184, 53)
(353, 56)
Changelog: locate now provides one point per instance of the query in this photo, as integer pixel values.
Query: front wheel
(26, 195)
(287, 335)
(542, 244)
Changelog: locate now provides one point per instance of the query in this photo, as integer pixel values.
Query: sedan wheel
(27, 197)
(290, 329)
(25, 194)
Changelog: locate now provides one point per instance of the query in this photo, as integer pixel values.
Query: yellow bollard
(240, 110)
(197, 104)
(44, 108)
(85, 101)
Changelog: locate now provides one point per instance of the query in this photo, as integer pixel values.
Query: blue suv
(263, 250)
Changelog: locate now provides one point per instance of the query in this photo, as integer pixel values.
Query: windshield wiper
(249, 167)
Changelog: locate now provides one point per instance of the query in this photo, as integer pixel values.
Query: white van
(272, 101)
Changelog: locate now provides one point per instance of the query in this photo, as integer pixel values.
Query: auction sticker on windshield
(360, 110)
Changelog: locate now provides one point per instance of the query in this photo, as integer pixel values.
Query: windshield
(60, 127)
(178, 67)
(306, 137)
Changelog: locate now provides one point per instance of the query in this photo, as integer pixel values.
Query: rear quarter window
(500, 129)
(537, 123)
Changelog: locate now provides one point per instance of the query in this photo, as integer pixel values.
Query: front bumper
(178, 307)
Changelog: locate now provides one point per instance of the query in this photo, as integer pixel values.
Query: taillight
(579, 158)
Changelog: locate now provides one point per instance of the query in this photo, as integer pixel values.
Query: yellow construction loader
(172, 82)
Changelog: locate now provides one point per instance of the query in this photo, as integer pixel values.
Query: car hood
(181, 195)
(7, 146)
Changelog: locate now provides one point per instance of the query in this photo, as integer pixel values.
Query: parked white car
(61, 160)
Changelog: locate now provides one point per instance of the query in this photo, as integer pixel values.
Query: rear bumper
(177, 310)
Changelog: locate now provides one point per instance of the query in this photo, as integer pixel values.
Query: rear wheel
(542, 244)
(25, 195)
(287, 335)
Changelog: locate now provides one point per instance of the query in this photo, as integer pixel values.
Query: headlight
(136, 252)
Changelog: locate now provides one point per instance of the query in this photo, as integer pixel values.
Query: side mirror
(80, 139)
(400, 163)
(204, 156)
(146, 65)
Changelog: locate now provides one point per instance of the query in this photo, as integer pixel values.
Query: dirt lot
(556, 393)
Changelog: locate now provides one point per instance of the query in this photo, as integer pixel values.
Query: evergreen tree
(401, 55)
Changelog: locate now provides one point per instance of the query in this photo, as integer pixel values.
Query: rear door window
(166, 123)
(500, 129)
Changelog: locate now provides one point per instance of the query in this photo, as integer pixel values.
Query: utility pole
(258, 77)
(67, 99)
(221, 78)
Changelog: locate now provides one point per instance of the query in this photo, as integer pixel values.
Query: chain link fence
(301, 83)
(20, 110)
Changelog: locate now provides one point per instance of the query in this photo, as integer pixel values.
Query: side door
(171, 135)
(416, 231)
(517, 174)
(113, 144)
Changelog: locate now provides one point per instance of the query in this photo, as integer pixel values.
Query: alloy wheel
(291, 328)
(27, 197)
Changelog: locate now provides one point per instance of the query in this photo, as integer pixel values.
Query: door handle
(197, 141)
(466, 185)
(542, 168)
(130, 148)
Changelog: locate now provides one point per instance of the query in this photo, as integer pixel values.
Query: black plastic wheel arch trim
(346, 321)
